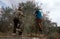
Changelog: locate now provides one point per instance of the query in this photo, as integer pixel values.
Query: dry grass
(55, 35)
(42, 36)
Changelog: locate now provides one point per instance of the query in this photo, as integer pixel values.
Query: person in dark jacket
(17, 21)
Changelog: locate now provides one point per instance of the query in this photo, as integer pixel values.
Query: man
(38, 15)
(17, 21)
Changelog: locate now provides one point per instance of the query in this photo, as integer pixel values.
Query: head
(37, 9)
(20, 8)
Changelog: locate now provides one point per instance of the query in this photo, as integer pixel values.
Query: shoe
(18, 29)
(13, 34)
(20, 33)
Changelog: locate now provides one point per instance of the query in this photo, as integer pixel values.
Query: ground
(25, 36)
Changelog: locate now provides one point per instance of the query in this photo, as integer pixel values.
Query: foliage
(49, 27)
(5, 19)
(29, 19)
(28, 8)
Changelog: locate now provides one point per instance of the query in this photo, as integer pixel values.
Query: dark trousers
(16, 22)
(15, 26)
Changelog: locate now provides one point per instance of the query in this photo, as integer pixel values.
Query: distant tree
(6, 19)
(28, 9)
(49, 26)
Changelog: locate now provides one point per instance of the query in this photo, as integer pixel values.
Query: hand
(23, 15)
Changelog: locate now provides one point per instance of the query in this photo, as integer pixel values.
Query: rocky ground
(24, 36)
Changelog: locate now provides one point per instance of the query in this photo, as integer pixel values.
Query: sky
(3, 4)
(6, 2)
(53, 6)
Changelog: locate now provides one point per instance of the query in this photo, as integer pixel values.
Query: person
(17, 21)
(38, 15)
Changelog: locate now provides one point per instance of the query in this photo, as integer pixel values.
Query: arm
(21, 13)
(34, 13)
